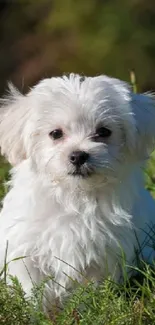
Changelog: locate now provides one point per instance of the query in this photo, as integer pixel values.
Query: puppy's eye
(56, 134)
(102, 133)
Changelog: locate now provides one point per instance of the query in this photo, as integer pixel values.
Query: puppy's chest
(72, 242)
(77, 230)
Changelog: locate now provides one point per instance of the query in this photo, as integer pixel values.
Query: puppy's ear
(143, 107)
(13, 118)
(140, 124)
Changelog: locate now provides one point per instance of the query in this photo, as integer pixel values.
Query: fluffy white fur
(67, 225)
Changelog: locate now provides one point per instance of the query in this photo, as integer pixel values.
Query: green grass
(109, 304)
(4, 175)
(131, 303)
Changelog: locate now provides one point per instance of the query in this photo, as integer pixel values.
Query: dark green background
(40, 38)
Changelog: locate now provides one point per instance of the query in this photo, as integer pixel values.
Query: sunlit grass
(129, 303)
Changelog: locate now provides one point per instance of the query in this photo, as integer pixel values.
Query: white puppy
(77, 194)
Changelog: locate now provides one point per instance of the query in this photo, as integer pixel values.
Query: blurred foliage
(40, 38)
(4, 176)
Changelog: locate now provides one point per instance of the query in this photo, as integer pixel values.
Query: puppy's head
(74, 128)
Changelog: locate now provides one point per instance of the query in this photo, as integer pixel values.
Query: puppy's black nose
(78, 158)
